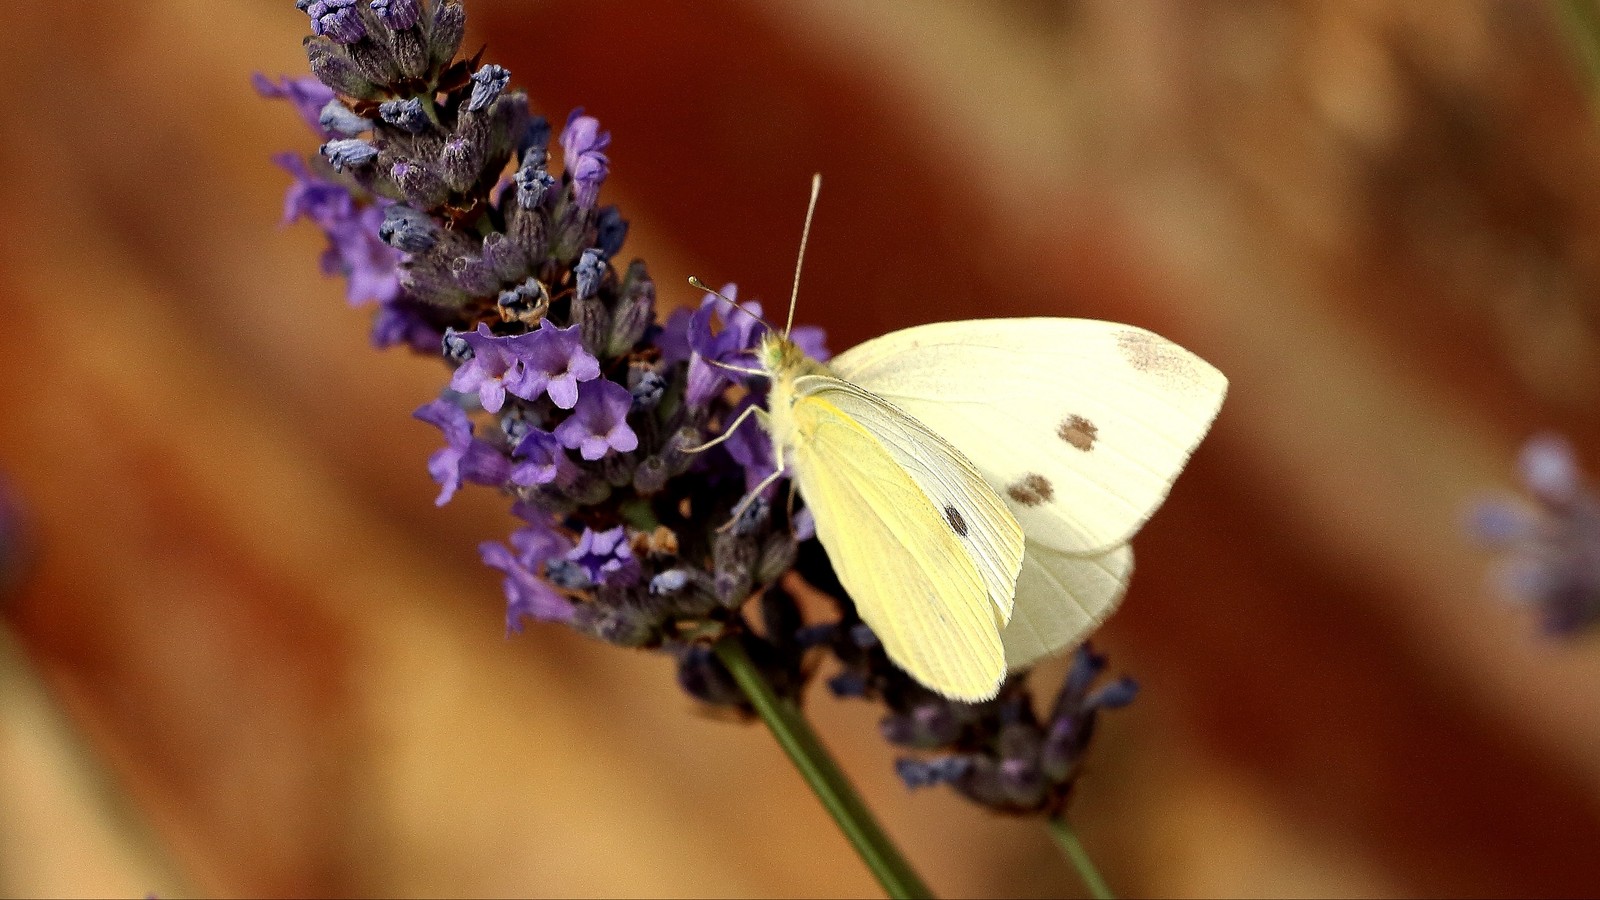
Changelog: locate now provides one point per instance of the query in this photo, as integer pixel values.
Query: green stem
(1581, 20)
(822, 773)
(1067, 840)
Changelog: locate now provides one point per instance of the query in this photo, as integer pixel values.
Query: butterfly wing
(924, 546)
(1061, 598)
(1081, 425)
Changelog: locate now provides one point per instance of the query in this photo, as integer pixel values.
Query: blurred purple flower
(1552, 545)
(354, 248)
(749, 446)
(402, 322)
(998, 753)
(691, 336)
(528, 595)
(307, 95)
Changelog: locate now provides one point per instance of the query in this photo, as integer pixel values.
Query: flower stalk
(814, 763)
(1072, 849)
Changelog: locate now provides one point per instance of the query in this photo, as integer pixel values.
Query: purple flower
(307, 95)
(539, 459)
(582, 146)
(553, 362)
(354, 249)
(599, 424)
(917, 773)
(324, 202)
(1072, 718)
(606, 557)
(813, 339)
(494, 360)
(688, 335)
(1553, 558)
(749, 446)
(464, 458)
(673, 338)
(401, 322)
(732, 345)
(528, 595)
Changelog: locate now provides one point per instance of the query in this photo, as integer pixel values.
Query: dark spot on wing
(957, 524)
(1079, 432)
(1158, 357)
(1032, 490)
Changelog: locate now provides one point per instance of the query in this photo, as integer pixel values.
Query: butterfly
(975, 484)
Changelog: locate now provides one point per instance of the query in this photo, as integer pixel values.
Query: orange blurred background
(251, 657)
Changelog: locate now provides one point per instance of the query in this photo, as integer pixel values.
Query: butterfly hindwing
(1061, 598)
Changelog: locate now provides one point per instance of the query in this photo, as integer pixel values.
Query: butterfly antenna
(697, 283)
(811, 207)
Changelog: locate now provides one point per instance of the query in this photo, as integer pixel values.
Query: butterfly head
(780, 357)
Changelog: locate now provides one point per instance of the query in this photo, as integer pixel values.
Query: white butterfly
(976, 483)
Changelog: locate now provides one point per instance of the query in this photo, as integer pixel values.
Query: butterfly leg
(755, 492)
(778, 470)
(727, 432)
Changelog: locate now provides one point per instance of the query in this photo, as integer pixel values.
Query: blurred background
(249, 656)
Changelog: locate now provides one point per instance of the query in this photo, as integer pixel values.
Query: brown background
(252, 657)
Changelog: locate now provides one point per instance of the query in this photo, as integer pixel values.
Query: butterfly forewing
(881, 489)
(1080, 425)
(963, 501)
